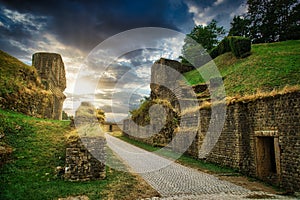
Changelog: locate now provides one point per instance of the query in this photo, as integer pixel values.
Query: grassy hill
(21, 88)
(38, 148)
(270, 66)
(15, 75)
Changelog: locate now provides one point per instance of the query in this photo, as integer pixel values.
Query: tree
(293, 30)
(64, 115)
(239, 27)
(100, 115)
(272, 20)
(207, 36)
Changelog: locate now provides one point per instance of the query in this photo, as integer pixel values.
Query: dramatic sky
(73, 28)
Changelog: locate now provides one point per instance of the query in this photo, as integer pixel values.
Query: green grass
(270, 66)
(14, 75)
(182, 159)
(38, 148)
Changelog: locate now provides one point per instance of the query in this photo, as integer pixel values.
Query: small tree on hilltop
(207, 36)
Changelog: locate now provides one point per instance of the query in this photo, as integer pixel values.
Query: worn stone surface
(51, 70)
(274, 119)
(85, 158)
(159, 133)
(174, 181)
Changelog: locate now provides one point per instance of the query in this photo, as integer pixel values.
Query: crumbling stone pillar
(52, 73)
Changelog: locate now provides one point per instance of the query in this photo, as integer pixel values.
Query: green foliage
(14, 75)
(206, 36)
(214, 52)
(38, 148)
(141, 114)
(224, 46)
(20, 87)
(270, 66)
(64, 115)
(240, 46)
(239, 27)
(273, 20)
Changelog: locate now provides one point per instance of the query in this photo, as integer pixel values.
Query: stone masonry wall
(85, 158)
(274, 118)
(157, 134)
(260, 137)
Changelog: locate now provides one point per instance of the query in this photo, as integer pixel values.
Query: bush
(214, 52)
(240, 46)
(224, 46)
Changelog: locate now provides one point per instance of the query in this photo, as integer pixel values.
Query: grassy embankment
(270, 67)
(38, 148)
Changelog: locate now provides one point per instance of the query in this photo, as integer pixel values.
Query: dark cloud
(74, 27)
(85, 24)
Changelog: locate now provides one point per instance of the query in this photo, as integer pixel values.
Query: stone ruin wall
(265, 129)
(51, 70)
(247, 132)
(85, 158)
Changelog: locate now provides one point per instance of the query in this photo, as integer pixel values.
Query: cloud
(241, 10)
(119, 74)
(218, 2)
(84, 25)
(220, 10)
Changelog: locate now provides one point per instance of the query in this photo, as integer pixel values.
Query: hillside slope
(270, 66)
(21, 89)
(38, 148)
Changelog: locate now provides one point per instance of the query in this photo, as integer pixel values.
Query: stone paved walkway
(174, 181)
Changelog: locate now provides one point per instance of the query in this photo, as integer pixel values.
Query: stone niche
(51, 70)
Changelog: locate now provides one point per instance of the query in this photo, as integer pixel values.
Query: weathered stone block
(51, 70)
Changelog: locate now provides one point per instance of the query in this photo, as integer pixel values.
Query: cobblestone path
(174, 181)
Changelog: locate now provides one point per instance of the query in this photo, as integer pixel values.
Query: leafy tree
(293, 30)
(65, 115)
(207, 36)
(239, 27)
(272, 20)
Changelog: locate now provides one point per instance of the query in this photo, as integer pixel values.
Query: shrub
(240, 46)
(214, 52)
(224, 46)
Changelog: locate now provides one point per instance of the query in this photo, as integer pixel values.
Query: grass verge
(38, 148)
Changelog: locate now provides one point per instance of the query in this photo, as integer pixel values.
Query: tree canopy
(206, 36)
(273, 20)
(239, 27)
